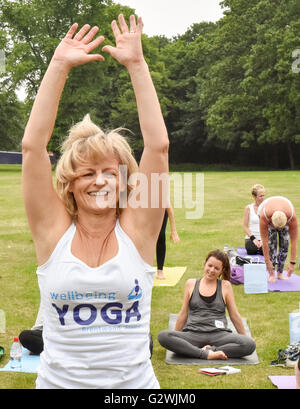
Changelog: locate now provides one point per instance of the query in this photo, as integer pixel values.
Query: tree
(184, 57)
(250, 95)
(34, 29)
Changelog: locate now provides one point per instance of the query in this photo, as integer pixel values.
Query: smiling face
(97, 185)
(213, 268)
(260, 197)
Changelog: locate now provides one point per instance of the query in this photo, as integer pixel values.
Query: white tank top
(253, 222)
(96, 320)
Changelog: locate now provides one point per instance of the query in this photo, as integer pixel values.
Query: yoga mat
(292, 284)
(284, 382)
(243, 253)
(172, 274)
(174, 359)
(29, 363)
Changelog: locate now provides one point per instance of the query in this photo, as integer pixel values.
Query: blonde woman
(253, 243)
(95, 258)
(278, 218)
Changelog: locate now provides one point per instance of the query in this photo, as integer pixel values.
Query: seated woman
(253, 242)
(201, 329)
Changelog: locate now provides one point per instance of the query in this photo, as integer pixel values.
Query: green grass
(225, 196)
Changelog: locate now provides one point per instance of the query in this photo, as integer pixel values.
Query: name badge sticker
(219, 324)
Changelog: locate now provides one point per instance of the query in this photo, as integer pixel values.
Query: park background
(229, 90)
(230, 95)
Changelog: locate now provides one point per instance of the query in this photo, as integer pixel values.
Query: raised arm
(46, 214)
(128, 52)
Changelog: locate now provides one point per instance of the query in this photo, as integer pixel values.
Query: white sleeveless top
(253, 223)
(96, 320)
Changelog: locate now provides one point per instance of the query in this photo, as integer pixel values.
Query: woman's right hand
(76, 51)
(128, 50)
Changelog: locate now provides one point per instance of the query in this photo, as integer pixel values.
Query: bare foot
(272, 278)
(216, 355)
(206, 346)
(160, 275)
(280, 276)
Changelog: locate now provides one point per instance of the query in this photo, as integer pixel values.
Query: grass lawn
(225, 196)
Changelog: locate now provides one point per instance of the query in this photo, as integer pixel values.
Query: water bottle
(16, 354)
(226, 248)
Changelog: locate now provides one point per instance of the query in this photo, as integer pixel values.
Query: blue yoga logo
(136, 292)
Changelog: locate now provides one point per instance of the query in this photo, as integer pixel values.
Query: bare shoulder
(190, 284)
(226, 284)
(226, 287)
(135, 226)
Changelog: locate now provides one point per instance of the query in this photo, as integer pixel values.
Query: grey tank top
(206, 316)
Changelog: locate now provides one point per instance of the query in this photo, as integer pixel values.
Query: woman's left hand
(128, 50)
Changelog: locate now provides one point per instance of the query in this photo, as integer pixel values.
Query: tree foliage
(227, 89)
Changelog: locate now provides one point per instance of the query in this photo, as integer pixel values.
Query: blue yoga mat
(29, 363)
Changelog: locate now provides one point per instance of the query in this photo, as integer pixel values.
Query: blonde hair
(86, 142)
(279, 219)
(256, 189)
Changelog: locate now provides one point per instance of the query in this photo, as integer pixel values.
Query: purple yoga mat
(284, 382)
(292, 284)
(243, 253)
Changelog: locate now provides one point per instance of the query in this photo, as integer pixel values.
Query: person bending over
(201, 329)
(277, 218)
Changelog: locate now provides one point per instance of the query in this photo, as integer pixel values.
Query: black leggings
(32, 340)
(161, 244)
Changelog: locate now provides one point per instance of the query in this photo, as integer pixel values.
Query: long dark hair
(221, 256)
